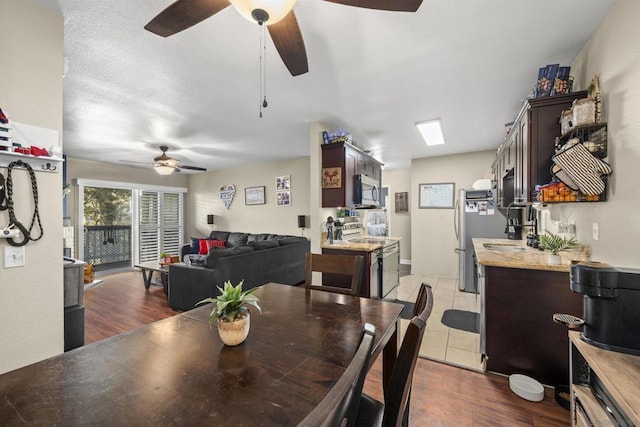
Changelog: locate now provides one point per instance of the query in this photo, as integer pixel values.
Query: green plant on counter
(232, 304)
(554, 243)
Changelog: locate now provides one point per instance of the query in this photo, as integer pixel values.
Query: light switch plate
(13, 256)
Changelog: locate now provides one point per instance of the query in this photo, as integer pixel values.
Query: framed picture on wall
(402, 202)
(254, 196)
(283, 182)
(283, 198)
(438, 195)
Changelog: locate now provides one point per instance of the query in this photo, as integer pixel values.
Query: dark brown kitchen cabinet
(351, 162)
(524, 159)
(521, 337)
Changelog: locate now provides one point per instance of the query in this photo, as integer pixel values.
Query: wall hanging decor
(283, 190)
(436, 196)
(254, 196)
(226, 194)
(402, 202)
(332, 177)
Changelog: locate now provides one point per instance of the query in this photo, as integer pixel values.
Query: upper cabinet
(524, 159)
(341, 162)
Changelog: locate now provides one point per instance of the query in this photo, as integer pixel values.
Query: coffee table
(148, 268)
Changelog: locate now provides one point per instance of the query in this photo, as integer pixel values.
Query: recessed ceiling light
(431, 132)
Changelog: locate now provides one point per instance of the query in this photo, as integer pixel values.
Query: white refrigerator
(475, 216)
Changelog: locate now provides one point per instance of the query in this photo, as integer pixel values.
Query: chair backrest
(397, 394)
(342, 400)
(347, 265)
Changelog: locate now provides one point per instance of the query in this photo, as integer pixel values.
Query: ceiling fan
(166, 165)
(277, 15)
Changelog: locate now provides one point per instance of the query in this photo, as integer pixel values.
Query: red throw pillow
(206, 244)
(217, 243)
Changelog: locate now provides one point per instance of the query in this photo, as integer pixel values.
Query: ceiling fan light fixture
(163, 169)
(275, 9)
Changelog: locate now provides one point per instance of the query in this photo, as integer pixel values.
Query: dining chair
(340, 406)
(346, 265)
(395, 409)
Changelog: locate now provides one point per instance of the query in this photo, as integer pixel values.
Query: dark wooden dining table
(177, 371)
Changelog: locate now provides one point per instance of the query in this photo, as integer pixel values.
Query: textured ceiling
(372, 73)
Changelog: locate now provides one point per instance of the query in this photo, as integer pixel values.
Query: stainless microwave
(366, 192)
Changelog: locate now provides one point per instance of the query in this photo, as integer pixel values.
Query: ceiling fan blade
(288, 40)
(390, 5)
(138, 163)
(183, 14)
(193, 168)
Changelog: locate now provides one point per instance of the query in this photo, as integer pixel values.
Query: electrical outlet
(596, 231)
(13, 256)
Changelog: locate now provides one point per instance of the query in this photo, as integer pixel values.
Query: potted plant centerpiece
(231, 312)
(554, 244)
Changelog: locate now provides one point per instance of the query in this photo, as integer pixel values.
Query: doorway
(122, 224)
(107, 237)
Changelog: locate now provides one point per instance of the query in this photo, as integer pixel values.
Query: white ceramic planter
(234, 333)
(554, 259)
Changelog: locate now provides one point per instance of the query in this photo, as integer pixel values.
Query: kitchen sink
(503, 247)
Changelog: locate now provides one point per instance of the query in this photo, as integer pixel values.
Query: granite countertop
(372, 244)
(524, 256)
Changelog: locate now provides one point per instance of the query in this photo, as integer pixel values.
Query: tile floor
(441, 343)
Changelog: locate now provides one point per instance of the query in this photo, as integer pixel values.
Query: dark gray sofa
(255, 258)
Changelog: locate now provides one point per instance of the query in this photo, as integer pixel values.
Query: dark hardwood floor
(442, 395)
(121, 303)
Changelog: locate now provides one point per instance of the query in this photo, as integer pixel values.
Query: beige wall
(203, 199)
(613, 52)
(31, 303)
(432, 236)
(399, 181)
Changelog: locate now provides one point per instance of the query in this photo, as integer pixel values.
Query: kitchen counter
(516, 254)
(371, 245)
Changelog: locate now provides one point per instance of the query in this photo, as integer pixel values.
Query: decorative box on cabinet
(524, 159)
(351, 162)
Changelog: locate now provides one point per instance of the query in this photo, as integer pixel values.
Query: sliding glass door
(123, 225)
(107, 227)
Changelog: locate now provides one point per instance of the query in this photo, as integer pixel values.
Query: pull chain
(263, 68)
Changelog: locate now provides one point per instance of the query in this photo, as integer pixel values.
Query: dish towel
(583, 168)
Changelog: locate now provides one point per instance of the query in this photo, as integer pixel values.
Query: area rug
(460, 319)
(407, 310)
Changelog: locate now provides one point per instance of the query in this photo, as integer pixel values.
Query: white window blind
(149, 226)
(160, 222)
(172, 223)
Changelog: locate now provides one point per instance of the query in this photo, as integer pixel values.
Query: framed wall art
(283, 182)
(436, 195)
(332, 177)
(283, 198)
(254, 196)
(402, 202)
(283, 190)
